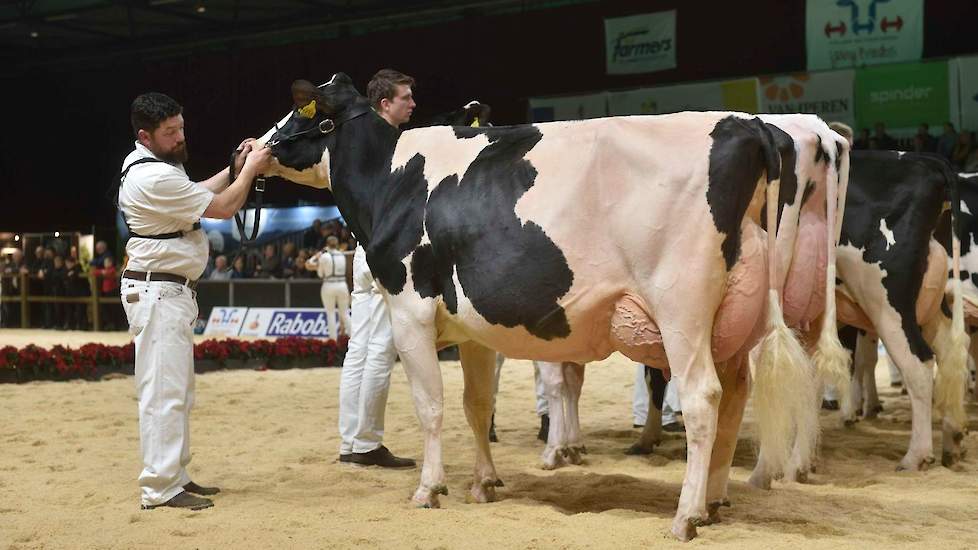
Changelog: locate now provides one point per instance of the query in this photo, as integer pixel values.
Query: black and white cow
(474, 235)
(892, 280)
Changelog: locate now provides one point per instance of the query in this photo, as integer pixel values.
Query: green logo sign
(902, 96)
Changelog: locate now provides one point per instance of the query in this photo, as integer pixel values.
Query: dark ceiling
(72, 33)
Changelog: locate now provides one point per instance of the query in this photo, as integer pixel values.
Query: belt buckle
(148, 276)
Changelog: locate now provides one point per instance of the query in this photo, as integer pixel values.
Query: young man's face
(167, 141)
(398, 110)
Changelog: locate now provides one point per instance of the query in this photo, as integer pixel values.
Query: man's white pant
(640, 400)
(336, 295)
(162, 323)
(542, 406)
(367, 367)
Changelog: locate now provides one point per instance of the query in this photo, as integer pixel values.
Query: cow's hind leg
(478, 369)
(655, 381)
(735, 381)
(867, 350)
(574, 382)
(556, 453)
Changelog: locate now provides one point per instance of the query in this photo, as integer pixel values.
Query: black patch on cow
(945, 307)
(742, 150)
(656, 381)
(908, 193)
(399, 230)
(838, 157)
(820, 153)
(305, 151)
(512, 272)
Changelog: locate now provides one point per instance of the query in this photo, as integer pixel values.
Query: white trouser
(542, 405)
(367, 367)
(161, 322)
(335, 295)
(641, 400)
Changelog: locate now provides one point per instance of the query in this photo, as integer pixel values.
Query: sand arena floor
(69, 460)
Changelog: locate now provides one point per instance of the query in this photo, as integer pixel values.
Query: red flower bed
(61, 363)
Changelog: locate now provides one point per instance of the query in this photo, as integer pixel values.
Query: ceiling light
(34, 34)
(16, 238)
(57, 234)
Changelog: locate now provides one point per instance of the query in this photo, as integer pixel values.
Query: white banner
(856, 33)
(732, 95)
(640, 43)
(225, 321)
(967, 74)
(826, 94)
(549, 109)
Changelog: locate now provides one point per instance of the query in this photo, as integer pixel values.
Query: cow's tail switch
(952, 372)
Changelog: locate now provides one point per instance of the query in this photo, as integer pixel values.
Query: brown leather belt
(159, 276)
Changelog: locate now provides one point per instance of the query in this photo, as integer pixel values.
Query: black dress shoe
(673, 427)
(830, 404)
(183, 500)
(544, 428)
(198, 490)
(346, 457)
(382, 457)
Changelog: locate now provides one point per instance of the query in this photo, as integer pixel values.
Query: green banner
(903, 96)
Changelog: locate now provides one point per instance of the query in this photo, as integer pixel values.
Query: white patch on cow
(887, 234)
(964, 208)
(328, 83)
(454, 154)
(268, 135)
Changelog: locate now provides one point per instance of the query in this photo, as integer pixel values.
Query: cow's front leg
(478, 369)
(414, 337)
(555, 391)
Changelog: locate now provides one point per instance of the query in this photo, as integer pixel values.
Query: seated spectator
(312, 237)
(927, 143)
(971, 163)
(288, 260)
(269, 266)
(962, 150)
(239, 269)
(884, 141)
(221, 271)
(75, 286)
(947, 142)
(300, 266)
(862, 141)
(108, 286)
(101, 253)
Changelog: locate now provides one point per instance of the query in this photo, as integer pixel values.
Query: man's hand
(243, 150)
(259, 160)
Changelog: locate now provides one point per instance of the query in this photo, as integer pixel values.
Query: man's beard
(176, 156)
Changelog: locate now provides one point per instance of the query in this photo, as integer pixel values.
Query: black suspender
(122, 177)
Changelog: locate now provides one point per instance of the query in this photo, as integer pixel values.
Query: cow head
(861, 24)
(304, 140)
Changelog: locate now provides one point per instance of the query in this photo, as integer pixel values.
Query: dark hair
(384, 85)
(151, 109)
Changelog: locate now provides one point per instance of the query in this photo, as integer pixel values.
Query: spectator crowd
(958, 147)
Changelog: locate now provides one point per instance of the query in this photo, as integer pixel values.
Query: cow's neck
(362, 171)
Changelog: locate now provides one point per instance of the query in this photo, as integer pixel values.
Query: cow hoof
(427, 498)
(850, 422)
(761, 481)
(572, 455)
(948, 459)
(552, 458)
(801, 476)
(874, 412)
(639, 449)
(499, 483)
(713, 509)
(482, 492)
(684, 529)
(915, 465)
(858, 412)
(581, 449)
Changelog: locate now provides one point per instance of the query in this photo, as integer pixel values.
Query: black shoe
(673, 427)
(830, 404)
(492, 431)
(346, 458)
(896, 384)
(544, 428)
(183, 500)
(198, 490)
(382, 457)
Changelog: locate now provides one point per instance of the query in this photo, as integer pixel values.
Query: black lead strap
(162, 236)
(240, 218)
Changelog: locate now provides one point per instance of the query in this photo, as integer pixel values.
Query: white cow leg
(554, 389)
(918, 379)
(735, 381)
(868, 350)
(573, 382)
(699, 392)
(479, 369)
(414, 337)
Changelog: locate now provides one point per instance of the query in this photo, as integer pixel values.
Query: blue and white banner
(855, 33)
(640, 43)
(280, 322)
